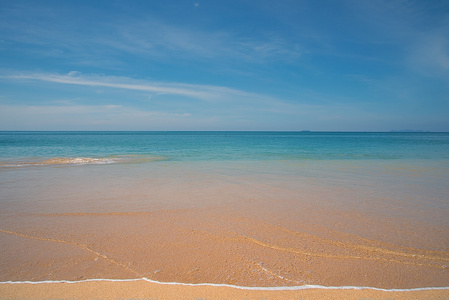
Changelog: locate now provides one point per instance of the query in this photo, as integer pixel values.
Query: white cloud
(203, 92)
(216, 98)
(73, 73)
(226, 108)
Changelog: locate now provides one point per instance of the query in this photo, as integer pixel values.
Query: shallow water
(253, 209)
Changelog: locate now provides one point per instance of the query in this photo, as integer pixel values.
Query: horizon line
(299, 131)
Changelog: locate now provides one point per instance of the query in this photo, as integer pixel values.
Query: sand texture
(209, 246)
(182, 224)
(148, 290)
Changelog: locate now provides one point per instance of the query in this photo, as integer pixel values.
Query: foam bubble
(77, 161)
(81, 161)
(274, 288)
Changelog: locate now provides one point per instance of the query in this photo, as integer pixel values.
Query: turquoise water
(219, 146)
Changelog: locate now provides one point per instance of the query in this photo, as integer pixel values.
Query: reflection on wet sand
(213, 246)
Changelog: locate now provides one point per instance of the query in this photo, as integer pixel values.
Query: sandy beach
(211, 245)
(141, 289)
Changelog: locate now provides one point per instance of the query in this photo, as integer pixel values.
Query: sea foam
(274, 288)
(55, 161)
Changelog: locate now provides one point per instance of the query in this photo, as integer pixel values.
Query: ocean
(244, 208)
(223, 145)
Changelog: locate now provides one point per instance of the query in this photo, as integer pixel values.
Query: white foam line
(275, 288)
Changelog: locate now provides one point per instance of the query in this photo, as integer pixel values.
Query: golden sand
(209, 246)
(243, 234)
(148, 290)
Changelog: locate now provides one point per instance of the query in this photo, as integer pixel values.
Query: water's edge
(275, 288)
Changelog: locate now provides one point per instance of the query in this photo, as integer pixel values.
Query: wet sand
(148, 290)
(243, 230)
(210, 246)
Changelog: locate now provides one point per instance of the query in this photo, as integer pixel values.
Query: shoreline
(251, 288)
(145, 288)
(264, 222)
(271, 255)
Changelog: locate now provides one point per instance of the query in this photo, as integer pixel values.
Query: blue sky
(348, 65)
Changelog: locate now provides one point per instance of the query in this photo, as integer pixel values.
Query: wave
(274, 288)
(34, 162)
(76, 161)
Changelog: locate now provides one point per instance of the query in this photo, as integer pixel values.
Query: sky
(340, 65)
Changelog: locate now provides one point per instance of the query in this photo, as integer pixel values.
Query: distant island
(409, 130)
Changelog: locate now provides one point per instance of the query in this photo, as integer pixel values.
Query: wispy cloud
(416, 33)
(221, 108)
(216, 99)
(231, 109)
(146, 36)
(203, 92)
(154, 38)
(430, 54)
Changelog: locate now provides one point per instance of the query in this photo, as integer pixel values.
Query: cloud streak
(203, 92)
(216, 99)
(220, 108)
(146, 36)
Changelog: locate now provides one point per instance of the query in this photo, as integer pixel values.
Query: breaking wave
(55, 161)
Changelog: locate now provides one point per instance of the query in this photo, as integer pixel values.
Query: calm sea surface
(219, 146)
